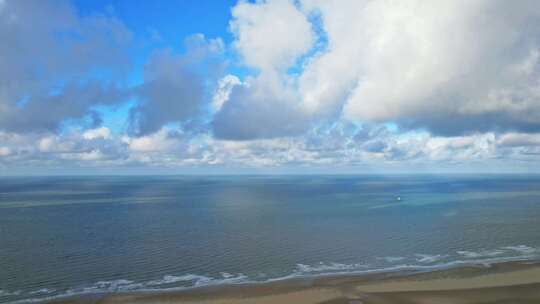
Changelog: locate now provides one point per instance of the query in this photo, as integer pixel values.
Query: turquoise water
(77, 235)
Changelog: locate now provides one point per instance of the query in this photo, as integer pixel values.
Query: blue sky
(173, 19)
(269, 86)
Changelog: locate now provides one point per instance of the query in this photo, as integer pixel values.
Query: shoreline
(511, 281)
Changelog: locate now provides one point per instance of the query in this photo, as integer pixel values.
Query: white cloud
(519, 140)
(426, 61)
(45, 144)
(4, 151)
(101, 132)
(453, 67)
(34, 64)
(461, 148)
(262, 107)
(223, 91)
(90, 156)
(270, 34)
(159, 141)
(341, 146)
(56, 144)
(175, 85)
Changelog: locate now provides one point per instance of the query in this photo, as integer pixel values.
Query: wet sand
(502, 283)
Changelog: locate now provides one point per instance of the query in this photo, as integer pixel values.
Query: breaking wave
(414, 263)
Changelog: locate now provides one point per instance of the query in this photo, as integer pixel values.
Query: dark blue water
(72, 235)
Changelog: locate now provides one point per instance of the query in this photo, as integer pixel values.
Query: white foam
(169, 279)
(522, 249)
(197, 280)
(428, 258)
(6, 293)
(480, 254)
(113, 284)
(322, 267)
(392, 259)
(42, 291)
(123, 285)
(107, 286)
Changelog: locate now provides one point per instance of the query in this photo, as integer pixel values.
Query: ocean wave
(170, 279)
(522, 249)
(123, 285)
(480, 254)
(41, 291)
(486, 262)
(418, 263)
(6, 293)
(322, 267)
(428, 258)
(392, 259)
(114, 284)
(198, 280)
(191, 280)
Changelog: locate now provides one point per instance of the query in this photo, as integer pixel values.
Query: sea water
(62, 236)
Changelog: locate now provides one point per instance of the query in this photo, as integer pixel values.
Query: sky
(269, 86)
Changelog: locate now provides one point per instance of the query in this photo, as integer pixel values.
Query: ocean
(64, 236)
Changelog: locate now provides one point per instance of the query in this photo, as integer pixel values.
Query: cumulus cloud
(519, 140)
(223, 91)
(4, 151)
(48, 112)
(101, 132)
(342, 146)
(175, 85)
(160, 141)
(270, 36)
(47, 55)
(57, 66)
(72, 148)
(263, 107)
(449, 67)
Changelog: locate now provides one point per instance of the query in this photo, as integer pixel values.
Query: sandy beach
(501, 283)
